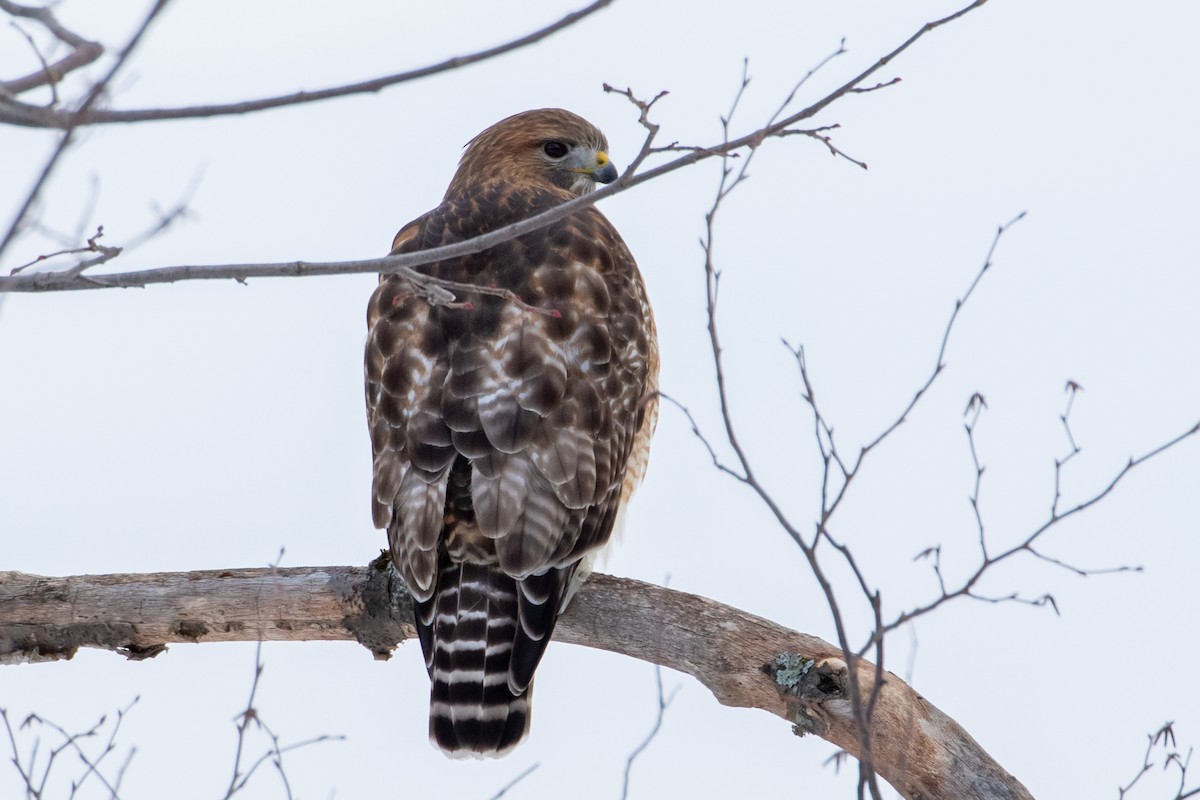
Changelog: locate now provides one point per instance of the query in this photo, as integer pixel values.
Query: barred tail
(468, 630)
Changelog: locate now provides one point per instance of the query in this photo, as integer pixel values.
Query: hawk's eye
(555, 149)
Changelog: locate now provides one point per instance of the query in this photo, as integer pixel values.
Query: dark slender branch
(967, 587)
(72, 741)
(69, 240)
(1072, 388)
(828, 142)
(89, 209)
(876, 87)
(827, 447)
(664, 702)
(22, 114)
(179, 210)
(238, 780)
(47, 75)
(975, 408)
(36, 781)
(643, 107)
(940, 364)
(725, 186)
(830, 506)
(26, 776)
(787, 101)
(1163, 738)
(506, 787)
(166, 219)
(275, 752)
(699, 434)
(15, 227)
(712, 277)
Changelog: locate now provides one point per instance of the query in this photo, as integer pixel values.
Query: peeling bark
(745, 661)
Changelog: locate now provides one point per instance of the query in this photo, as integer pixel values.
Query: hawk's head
(548, 146)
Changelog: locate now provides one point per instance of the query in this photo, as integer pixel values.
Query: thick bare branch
(746, 661)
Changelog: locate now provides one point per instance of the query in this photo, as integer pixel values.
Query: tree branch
(17, 113)
(745, 661)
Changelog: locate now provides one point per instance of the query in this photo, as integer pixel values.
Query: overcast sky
(209, 425)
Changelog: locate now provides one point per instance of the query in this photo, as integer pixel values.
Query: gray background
(209, 425)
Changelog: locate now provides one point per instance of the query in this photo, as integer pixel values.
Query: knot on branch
(806, 684)
(383, 612)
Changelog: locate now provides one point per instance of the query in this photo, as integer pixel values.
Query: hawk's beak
(594, 164)
(604, 171)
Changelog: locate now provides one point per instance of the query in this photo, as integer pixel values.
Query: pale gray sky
(209, 425)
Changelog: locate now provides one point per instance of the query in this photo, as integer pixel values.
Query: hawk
(507, 432)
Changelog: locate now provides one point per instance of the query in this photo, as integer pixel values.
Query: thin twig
(72, 741)
(250, 714)
(699, 434)
(966, 588)
(48, 76)
(93, 246)
(1072, 389)
(664, 702)
(37, 780)
(940, 363)
(26, 776)
(643, 107)
(1164, 739)
(975, 408)
(828, 142)
(245, 716)
(504, 789)
(179, 210)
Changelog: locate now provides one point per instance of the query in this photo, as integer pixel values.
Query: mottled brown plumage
(507, 438)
